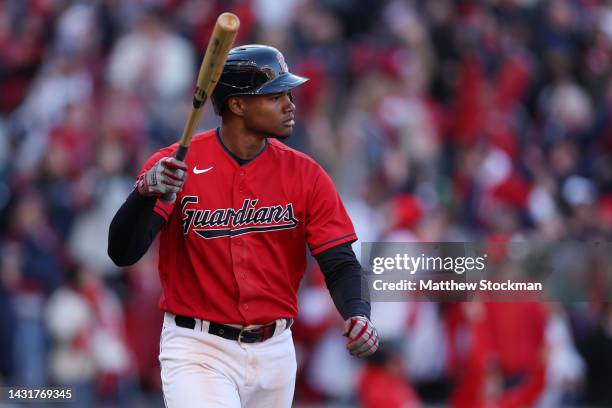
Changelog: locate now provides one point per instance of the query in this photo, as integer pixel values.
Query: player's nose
(288, 106)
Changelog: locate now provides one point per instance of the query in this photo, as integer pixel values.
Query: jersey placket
(238, 243)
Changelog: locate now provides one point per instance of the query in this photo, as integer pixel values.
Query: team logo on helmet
(281, 61)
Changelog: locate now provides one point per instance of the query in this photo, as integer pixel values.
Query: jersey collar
(236, 159)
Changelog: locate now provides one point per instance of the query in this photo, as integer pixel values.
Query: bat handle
(181, 152)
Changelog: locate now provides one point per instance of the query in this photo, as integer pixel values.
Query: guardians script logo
(228, 222)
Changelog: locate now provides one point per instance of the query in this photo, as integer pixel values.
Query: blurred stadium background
(438, 120)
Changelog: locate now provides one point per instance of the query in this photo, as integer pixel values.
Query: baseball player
(235, 219)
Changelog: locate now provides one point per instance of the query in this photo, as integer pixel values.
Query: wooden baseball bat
(219, 45)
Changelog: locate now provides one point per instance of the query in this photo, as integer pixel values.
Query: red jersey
(233, 249)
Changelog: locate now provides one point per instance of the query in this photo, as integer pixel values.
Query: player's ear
(236, 105)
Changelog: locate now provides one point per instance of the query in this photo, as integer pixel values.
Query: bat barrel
(220, 42)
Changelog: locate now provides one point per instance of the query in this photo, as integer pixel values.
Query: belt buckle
(240, 335)
(247, 329)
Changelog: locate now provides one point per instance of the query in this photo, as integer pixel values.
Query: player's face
(271, 115)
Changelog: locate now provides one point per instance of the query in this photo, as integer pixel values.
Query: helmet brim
(282, 83)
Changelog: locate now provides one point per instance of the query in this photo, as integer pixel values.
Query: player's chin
(282, 133)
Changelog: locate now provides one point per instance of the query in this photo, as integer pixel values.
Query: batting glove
(164, 179)
(362, 336)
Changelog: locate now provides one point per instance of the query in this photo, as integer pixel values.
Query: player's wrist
(352, 319)
(168, 198)
(141, 186)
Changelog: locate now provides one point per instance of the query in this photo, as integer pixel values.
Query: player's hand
(164, 179)
(362, 336)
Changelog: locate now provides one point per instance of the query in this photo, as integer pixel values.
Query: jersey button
(242, 173)
(245, 306)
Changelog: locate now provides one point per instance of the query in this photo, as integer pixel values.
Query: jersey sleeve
(162, 209)
(327, 222)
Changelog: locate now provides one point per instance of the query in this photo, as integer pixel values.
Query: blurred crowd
(439, 120)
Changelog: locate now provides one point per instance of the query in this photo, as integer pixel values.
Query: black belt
(243, 335)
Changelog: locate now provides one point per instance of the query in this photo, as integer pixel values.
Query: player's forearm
(133, 229)
(344, 280)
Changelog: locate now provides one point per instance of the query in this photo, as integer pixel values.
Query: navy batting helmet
(253, 70)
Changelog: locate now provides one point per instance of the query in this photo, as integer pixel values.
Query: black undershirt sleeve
(344, 279)
(133, 229)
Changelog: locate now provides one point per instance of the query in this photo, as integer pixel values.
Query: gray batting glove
(362, 336)
(164, 179)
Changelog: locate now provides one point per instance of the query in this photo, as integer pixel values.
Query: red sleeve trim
(163, 210)
(352, 237)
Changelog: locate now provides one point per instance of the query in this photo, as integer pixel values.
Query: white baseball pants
(199, 369)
